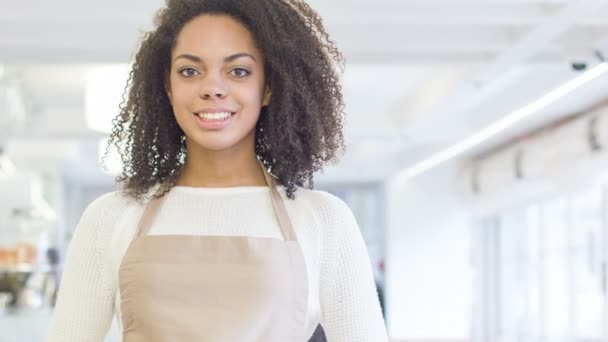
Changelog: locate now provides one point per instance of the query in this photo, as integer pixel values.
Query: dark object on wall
(578, 66)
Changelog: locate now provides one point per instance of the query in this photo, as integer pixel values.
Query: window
(544, 275)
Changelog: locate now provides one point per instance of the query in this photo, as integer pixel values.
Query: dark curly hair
(297, 133)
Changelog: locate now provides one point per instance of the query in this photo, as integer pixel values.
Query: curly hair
(298, 132)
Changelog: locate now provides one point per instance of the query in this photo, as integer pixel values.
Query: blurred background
(477, 160)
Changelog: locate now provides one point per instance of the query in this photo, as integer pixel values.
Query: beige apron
(213, 288)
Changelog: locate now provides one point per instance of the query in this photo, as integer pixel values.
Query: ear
(267, 96)
(168, 87)
(169, 95)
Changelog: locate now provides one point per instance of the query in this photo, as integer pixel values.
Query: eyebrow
(228, 59)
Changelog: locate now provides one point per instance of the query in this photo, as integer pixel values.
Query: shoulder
(102, 220)
(106, 209)
(340, 234)
(328, 208)
(109, 202)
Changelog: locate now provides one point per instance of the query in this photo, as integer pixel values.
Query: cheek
(181, 93)
(181, 104)
(252, 95)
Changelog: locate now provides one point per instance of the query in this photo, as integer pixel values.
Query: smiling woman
(231, 107)
(216, 93)
(211, 55)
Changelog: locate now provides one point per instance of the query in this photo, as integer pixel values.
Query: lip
(213, 124)
(214, 110)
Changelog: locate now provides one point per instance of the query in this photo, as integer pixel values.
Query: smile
(213, 121)
(214, 116)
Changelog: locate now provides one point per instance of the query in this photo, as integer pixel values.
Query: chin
(215, 143)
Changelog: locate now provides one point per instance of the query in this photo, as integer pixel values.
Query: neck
(215, 169)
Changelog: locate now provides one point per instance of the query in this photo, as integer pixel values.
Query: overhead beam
(468, 96)
(523, 51)
(482, 13)
(541, 37)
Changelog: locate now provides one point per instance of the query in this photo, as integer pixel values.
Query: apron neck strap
(149, 215)
(154, 205)
(279, 207)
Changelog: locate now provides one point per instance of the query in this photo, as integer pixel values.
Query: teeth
(214, 116)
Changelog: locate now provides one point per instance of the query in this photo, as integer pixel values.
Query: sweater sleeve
(84, 308)
(350, 308)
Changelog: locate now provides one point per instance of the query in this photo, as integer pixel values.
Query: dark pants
(318, 336)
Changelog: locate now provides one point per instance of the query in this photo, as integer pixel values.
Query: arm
(84, 307)
(350, 309)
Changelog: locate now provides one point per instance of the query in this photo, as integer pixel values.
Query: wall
(428, 274)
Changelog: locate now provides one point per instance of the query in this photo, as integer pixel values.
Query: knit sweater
(342, 295)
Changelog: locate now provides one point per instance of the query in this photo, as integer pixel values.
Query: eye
(188, 72)
(240, 72)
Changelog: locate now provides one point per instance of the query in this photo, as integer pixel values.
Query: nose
(213, 86)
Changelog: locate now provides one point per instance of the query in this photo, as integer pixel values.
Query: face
(216, 84)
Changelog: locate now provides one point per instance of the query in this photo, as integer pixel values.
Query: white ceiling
(420, 75)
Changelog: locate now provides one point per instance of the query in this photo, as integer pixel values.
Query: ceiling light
(500, 125)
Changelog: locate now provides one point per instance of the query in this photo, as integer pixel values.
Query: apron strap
(279, 208)
(154, 205)
(149, 215)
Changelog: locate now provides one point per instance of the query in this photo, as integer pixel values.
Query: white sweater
(342, 295)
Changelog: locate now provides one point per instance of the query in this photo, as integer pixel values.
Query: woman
(217, 235)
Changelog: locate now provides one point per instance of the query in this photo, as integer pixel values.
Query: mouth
(213, 121)
(219, 116)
